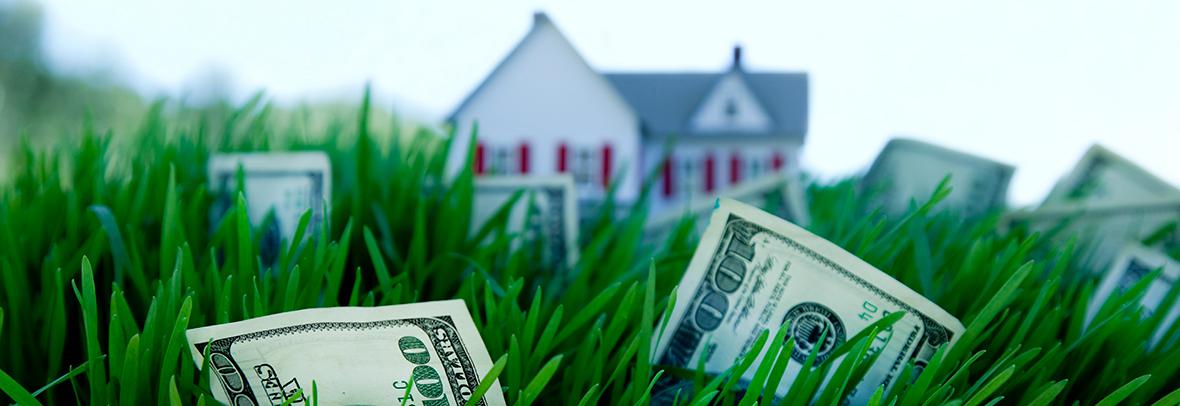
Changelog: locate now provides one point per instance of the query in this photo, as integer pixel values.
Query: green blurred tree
(38, 102)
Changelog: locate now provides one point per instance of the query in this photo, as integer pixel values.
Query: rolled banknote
(354, 355)
(1102, 176)
(1134, 263)
(555, 219)
(285, 184)
(1102, 228)
(778, 193)
(908, 170)
(753, 272)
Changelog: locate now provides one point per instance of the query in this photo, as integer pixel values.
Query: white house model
(544, 110)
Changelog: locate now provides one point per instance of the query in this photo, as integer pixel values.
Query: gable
(543, 74)
(731, 106)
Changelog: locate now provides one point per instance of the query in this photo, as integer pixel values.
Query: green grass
(107, 256)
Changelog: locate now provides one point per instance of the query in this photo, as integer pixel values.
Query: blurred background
(1032, 85)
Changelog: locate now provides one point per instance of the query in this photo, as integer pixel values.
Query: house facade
(544, 110)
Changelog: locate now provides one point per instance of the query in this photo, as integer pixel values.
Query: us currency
(354, 355)
(778, 193)
(1102, 176)
(1102, 228)
(285, 184)
(753, 272)
(1134, 263)
(547, 211)
(909, 169)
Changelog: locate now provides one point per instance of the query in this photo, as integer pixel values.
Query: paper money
(1102, 228)
(1102, 176)
(780, 194)
(286, 184)
(552, 200)
(354, 355)
(753, 272)
(1134, 263)
(908, 170)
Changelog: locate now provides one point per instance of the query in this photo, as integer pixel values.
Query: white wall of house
(755, 158)
(546, 95)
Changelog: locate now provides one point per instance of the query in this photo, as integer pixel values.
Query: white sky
(1027, 83)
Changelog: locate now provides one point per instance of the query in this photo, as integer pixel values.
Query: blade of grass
(96, 374)
(488, 380)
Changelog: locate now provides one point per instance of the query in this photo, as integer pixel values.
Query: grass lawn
(107, 256)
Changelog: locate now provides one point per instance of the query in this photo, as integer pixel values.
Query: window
(691, 185)
(500, 161)
(730, 109)
(583, 167)
(755, 168)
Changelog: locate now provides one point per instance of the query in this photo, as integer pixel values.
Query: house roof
(666, 102)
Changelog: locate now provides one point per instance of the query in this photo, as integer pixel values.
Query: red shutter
(668, 177)
(524, 157)
(563, 154)
(735, 169)
(606, 164)
(479, 158)
(710, 173)
(776, 161)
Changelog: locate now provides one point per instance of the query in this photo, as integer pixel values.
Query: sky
(1031, 84)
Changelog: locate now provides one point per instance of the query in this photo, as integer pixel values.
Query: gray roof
(665, 102)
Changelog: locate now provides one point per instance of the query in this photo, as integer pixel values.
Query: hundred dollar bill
(780, 194)
(354, 355)
(908, 170)
(285, 184)
(1102, 228)
(1134, 263)
(1104, 176)
(753, 272)
(552, 201)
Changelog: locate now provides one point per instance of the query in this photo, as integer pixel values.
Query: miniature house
(544, 110)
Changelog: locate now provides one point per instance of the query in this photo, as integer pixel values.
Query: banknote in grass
(908, 170)
(543, 210)
(754, 272)
(1102, 176)
(1102, 228)
(1134, 264)
(354, 355)
(780, 194)
(279, 189)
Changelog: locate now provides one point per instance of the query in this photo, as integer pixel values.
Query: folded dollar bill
(1101, 228)
(354, 355)
(1102, 176)
(780, 194)
(908, 170)
(553, 203)
(753, 272)
(285, 184)
(1134, 263)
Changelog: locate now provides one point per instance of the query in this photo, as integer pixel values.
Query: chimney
(737, 56)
